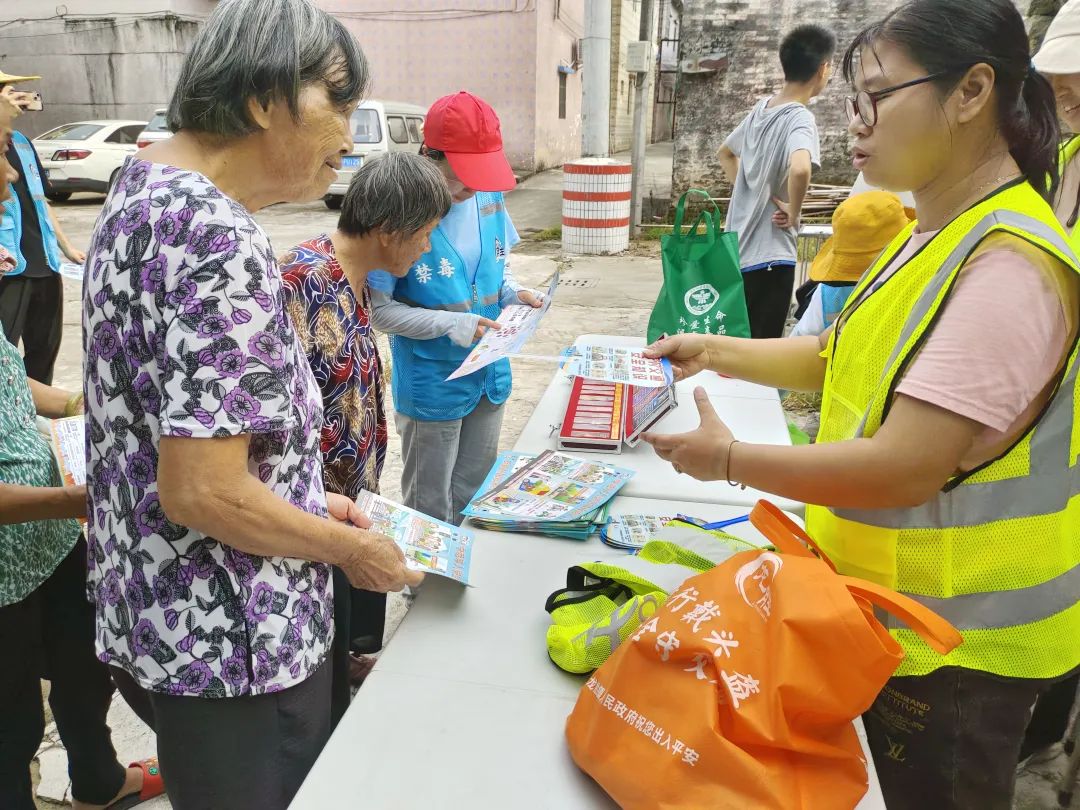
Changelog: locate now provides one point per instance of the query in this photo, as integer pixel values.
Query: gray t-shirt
(765, 142)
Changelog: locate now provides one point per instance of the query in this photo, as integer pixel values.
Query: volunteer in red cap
(442, 307)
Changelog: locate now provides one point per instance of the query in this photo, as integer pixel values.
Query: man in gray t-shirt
(769, 158)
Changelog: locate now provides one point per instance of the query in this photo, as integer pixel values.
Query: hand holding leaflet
(517, 324)
(430, 546)
(620, 364)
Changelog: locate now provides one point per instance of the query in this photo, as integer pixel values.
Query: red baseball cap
(465, 129)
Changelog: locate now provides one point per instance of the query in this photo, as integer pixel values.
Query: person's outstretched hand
(531, 299)
(701, 453)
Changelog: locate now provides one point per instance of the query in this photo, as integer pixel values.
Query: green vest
(1068, 154)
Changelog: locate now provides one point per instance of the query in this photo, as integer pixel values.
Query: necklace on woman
(997, 181)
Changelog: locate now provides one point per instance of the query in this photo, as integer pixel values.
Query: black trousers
(32, 309)
(359, 622)
(50, 634)
(768, 299)
(241, 753)
(949, 740)
(1050, 720)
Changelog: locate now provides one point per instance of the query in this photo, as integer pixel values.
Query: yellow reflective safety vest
(997, 551)
(1069, 152)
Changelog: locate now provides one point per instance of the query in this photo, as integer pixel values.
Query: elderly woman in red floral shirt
(392, 205)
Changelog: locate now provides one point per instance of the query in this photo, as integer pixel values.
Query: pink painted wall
(559, 23)
(418, 55)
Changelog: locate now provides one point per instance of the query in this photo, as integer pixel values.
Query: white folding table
(464, 709)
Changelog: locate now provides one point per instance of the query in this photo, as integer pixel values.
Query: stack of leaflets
(553, 494)
(429, 545)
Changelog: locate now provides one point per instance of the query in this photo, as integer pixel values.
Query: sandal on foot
(152, 785)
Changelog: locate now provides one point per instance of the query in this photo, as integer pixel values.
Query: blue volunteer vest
(11, 227)
(439, 280)
(833, 299)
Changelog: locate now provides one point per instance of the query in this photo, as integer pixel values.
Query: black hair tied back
(948, 37)
(1034, 133)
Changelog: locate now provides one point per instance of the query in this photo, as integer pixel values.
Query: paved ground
(617, 300)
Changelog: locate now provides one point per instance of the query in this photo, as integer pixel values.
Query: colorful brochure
(552, 487)
(621, 364)
(430, 545)
(632, 532)
(581, 529)
(517, 324)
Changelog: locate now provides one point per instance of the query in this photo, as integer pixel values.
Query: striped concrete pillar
(596, 206)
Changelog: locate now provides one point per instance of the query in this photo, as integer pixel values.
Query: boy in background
(769, 159)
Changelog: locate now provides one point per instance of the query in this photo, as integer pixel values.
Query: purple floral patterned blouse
(185, 334)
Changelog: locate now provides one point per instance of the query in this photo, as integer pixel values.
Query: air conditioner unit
(639, 56)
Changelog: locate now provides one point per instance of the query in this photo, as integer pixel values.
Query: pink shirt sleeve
(996, 346)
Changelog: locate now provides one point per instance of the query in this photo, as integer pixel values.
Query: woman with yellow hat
(863, 226)
(1059, 59)
(946, 463)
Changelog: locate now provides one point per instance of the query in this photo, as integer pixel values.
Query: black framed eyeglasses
(864, 104)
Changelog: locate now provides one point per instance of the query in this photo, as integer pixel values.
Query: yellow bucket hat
(863, 225)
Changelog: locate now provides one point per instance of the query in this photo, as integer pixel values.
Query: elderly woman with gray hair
(210, 543)
(391, 207)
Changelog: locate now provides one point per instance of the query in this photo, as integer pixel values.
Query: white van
(378, 126)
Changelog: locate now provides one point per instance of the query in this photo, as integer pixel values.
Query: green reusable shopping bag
(703, 289)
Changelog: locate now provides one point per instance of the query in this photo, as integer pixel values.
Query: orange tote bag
(741, 690)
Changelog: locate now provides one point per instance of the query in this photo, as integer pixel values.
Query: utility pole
(596, 78)
(642, 93)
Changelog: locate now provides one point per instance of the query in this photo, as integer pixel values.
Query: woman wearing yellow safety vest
(946, 463)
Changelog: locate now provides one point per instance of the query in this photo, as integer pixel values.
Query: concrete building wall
(119, 59)
(559, 25)
(625, 28)
(669, 18)
(750, 31)
(418, 55)
(624, 24)
(41, 9)
(117, 66)
(710, 105)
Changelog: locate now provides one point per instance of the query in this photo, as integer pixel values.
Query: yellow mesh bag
(604, 602)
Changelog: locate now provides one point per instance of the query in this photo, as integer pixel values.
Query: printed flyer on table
(554, 486)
